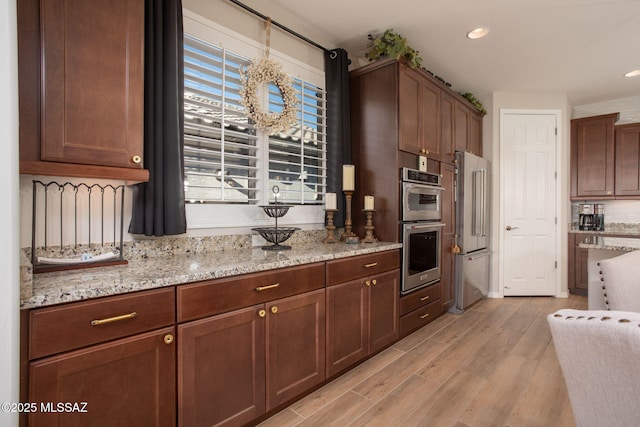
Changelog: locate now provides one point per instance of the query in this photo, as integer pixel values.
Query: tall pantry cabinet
(399, 113)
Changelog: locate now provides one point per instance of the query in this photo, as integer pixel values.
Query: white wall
(629, 109)
(493, 103)
(9, 246)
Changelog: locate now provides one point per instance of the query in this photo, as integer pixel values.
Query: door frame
(501, 216)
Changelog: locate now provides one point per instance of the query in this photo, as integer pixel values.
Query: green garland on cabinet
(393, 45)
(475, 101)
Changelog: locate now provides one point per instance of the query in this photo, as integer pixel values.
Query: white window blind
(220, 145)
(297, 158)
(224, 152)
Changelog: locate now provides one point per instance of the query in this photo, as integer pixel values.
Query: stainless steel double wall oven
(421, 206)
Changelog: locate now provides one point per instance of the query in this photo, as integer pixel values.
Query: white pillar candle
(348, 177)
(330, 201)
(368, 202)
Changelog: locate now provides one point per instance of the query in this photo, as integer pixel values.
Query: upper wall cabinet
(81, 88)
(419, 114)
(593, 157)
(467, 129)
(627, 160)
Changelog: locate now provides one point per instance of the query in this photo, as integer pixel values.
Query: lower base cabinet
(127, 382)
(419, 308)
(362, 318)
(234, 367)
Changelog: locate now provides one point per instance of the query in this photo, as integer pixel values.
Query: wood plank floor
(494, 365)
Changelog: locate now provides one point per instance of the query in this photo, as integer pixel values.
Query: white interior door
(530, 256)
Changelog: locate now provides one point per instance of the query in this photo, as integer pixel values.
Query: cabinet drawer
(61, 328)
(344, 270)
(218, 296)
(420, 317)
(419, 298)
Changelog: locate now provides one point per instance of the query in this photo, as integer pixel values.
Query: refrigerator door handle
(477, 202)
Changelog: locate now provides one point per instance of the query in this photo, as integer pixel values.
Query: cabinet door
(448, 148)
(431, 120)
(128, 382)
(409, 110)
(347, 325)
(461, 126)
(92, 100)
(448, 235)
(383, 309)
(475, 134)
(592, 155)
(221, 373)
(295, 346)
(627, 154)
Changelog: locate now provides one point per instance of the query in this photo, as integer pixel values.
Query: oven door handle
(426, 225)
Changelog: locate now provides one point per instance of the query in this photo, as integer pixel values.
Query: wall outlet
(422, 163)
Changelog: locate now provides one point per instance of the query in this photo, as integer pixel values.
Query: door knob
(509, 228)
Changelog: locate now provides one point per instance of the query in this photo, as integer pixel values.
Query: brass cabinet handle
(368, 283)
(424, 316)
(373, 264)
(262, 313)
(274, 309)
(425, 298)
(168, 339)
(374, 282)
(136, 159)
(113, 319)
(264, 288)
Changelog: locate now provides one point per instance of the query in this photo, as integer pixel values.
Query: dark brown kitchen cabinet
(467, 128)
(81, 88)
(593, 157)
(362, 308)
(578, 274)
(419, 113)
(235, 362)
(447, 257)
(627, 163)
(419, 308)
(120, 360)
(447, 113)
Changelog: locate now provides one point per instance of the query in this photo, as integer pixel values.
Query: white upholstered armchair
(599, 353)
(620, 277)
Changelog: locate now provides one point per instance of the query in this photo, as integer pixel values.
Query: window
(226, 158)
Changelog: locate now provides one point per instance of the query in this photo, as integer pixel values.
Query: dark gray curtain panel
(336, 63)
(159, 205)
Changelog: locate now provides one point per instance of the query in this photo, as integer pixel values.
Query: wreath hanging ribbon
(267, 70)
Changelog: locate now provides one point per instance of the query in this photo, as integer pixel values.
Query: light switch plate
(422, 163)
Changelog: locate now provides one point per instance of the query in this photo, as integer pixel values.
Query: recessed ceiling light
(633, 73)
(478, 33)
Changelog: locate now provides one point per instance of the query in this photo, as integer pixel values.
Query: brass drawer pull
(113, 319)
(374, 282)
(424, 316)
(168, 339)
(264, 288)
(262, 313)
(274, 309)
(373, 264)
(425, 298)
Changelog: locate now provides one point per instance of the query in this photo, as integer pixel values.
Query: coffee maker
(598, 217)
(587, 217)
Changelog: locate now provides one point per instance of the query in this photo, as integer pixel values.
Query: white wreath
(267, 70)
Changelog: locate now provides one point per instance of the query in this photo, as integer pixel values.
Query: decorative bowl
(276, 235)
(276, 210)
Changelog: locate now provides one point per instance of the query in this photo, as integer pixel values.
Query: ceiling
(578, 47)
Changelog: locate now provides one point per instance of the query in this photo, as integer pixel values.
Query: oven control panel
(413, 175)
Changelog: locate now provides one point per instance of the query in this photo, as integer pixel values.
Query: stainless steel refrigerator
(472, 229)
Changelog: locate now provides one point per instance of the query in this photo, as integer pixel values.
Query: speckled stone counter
(172, 269)
(614, 229)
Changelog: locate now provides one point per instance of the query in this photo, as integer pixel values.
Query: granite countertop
(611, 243)
(44, 289)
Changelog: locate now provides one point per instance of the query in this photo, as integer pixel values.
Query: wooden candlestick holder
(331, 229)
(368, 228)
(348, 236)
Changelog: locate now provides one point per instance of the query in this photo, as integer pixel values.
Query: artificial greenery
(393, 45)
(475, 101)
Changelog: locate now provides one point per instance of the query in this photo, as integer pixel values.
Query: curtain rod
(282, 27)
